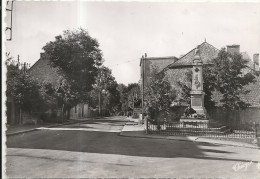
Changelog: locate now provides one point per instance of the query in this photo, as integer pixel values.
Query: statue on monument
(197, 51)
(189, 111)
(196, 81)
(196, 110)
(197, 56)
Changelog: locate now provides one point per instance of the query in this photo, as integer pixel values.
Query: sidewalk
(19, 129)
(136, 130)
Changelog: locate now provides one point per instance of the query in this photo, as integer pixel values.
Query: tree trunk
(68, 117)
(99, 105)
(62, 113)
(20, 116)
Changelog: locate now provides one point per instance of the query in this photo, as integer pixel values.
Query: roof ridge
(161, 57)
(34, 64)
(188, 53)
(42, 57)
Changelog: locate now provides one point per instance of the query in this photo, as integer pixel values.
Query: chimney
(41, 54)
(232, 49)
(18, 61)
(24, 67)
(256, 62)
(256, 59)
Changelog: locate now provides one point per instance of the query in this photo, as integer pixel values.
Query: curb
(50, 126)
(235, 144)
(191, 139)
(21, 132)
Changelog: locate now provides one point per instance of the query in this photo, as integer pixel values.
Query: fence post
(146, 124)
(256, 141)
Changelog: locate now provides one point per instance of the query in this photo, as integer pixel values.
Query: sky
(128, 30)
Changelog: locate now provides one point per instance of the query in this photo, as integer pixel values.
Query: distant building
(148, 63)
(207, 53)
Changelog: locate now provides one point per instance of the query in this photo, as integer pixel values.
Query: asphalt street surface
(95, 149)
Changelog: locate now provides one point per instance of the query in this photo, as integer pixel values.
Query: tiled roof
(207, 53)
(43, 72)
(173, 58)
(161, 58)
(159, 62)
(253, 97)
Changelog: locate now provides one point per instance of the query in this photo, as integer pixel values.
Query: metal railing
(207, 129)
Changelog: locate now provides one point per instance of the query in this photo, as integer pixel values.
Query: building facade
(43, 72)
(207, 53)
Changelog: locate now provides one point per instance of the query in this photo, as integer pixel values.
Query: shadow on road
(112, 143)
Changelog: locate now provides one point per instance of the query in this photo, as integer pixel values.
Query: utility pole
(142, 59)
(10, 10)
(99, 102)
(18, 61)
(143, 78)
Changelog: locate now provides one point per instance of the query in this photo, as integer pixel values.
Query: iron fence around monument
(211, 129)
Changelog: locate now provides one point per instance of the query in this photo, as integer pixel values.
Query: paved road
(95, 149)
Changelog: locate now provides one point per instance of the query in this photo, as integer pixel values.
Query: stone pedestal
(197, 96)
(199, 123)
(197, 93)
(197, 102)
(184, 119)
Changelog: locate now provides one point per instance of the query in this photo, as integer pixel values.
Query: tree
(158, 97)
(230, 80)
(77, 56)
(22, 88)
(122, 89)
(185, 85)
(209, 86)
(134, 96)
(114, 98)
(226, 77)
(105, 94)
(130, 97)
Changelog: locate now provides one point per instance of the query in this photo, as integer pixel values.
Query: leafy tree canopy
(230, 80)
(158, 96)
(77, 56)
(226, 76)
(22, 88)
(105, 87)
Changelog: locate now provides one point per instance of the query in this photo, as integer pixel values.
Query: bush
(158, 97)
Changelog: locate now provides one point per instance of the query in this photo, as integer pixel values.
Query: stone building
(43, 72)
(148, 63)
(207, 53)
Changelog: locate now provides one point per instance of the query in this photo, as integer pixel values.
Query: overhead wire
(118, 64)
